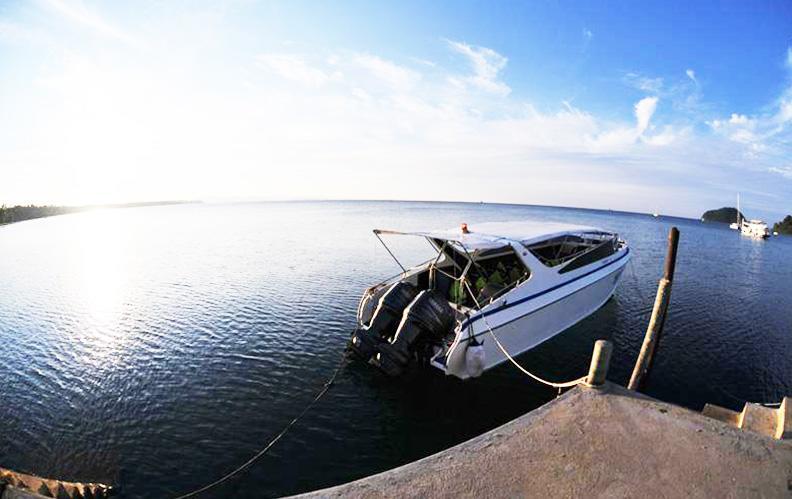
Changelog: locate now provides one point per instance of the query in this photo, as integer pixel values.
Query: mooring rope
(272, 442)
(636, 282)
(568, 384)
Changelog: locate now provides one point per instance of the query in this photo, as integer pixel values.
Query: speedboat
(492, 290)
(756, 229)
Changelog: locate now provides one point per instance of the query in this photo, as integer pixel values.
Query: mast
(739, 221)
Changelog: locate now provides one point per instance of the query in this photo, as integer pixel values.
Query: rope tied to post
(567, 384)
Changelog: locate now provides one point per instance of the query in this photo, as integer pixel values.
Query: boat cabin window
(573, 251)
(492, 274)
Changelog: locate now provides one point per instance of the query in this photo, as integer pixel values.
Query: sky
(669, 106)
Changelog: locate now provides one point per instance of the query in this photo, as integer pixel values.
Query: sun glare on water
(99, 278)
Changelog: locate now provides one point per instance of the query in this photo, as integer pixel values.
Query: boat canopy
(493, 235)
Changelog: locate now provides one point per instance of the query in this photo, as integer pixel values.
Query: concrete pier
(606, 442)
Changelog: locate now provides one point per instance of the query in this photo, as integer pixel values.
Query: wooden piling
(655, 329)
(600, 360)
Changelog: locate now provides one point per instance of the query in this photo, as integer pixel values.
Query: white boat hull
(522, 327)
(527, 281)
(755, 229)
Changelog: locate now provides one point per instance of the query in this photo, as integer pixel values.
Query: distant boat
(775, 232)
(656, 215)
(756, 229)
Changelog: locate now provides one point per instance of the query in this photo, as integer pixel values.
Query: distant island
(11, 214)
(784, 226)
(722, 215)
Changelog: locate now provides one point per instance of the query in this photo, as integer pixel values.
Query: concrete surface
(595, 443)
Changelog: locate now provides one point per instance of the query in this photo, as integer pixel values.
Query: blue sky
(638, 106)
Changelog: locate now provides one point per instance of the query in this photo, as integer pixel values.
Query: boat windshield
(572, 251)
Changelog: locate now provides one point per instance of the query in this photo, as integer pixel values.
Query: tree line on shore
(10, 214)
(18, 213)
(784, 226)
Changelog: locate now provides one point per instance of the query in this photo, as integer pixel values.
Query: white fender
(474, 360)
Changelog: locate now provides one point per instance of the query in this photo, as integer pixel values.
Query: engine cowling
(386, 317)
(427, 321)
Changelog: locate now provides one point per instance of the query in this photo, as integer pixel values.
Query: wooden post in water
(600, 360)
(655, 330)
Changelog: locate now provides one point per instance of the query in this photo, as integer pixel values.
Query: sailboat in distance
(756, 229)
(736, 225)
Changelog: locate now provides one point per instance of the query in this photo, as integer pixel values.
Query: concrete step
(728, 416)
(759, 419)
(784, 424)
(769, 421)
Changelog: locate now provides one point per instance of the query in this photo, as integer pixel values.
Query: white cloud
(743, 136)
(683, 94)
(734, 121)
(785, 111)
(644, 109)
(763, 135)
(623, 138)
(19, 34)
(361, 94)
(784, 171)
(79, 13)
(293, 67)
(396, 76)
(668, 136)
(644, 83)
(743, 130)
(425, 62)
(486, 64)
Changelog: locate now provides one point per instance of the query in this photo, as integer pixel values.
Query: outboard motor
(383, 323)
(427, 320)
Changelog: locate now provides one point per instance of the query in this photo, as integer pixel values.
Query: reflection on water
(159, 347)
(98, 282)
